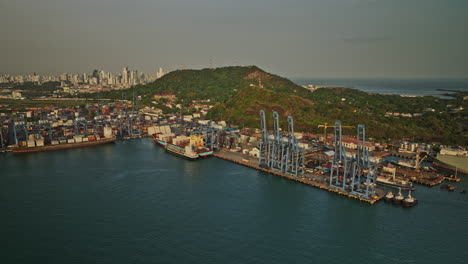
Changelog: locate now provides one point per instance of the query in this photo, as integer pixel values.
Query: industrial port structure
(352, 172)
(279, 153)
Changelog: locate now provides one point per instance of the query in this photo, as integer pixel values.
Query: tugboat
(389, 197)
(399, 198)
(409, 201)
(448, 187)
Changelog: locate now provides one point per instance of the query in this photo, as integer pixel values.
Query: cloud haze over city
(294, 38)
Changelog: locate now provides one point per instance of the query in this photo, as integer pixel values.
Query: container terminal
(335, 166)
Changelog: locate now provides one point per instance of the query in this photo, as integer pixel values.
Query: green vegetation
(370, 109)
(30, 89)
(352, 107)
(240, 92)
(21, 105)
(218, 85)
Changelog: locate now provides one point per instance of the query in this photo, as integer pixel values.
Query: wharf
(453, 179)
(314, 182)
(420, 177)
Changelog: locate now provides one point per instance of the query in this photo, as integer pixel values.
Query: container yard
(45, 129)
(353, 168)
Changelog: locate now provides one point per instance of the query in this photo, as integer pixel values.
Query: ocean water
(385, 86)
(130, 202)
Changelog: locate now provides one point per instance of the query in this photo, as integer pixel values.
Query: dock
(317, 183)
(453, 179)
(429, 179)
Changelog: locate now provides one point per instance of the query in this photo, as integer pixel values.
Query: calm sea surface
(405, 87)
(130, 202)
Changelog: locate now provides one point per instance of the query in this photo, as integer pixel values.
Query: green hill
(352, 107)
(243, 108)
(240, 92)
(217, 84)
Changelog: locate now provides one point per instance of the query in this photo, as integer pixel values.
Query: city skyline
(296, 39)
(97, 80)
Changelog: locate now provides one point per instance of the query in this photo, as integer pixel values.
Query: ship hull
(181, 155)
(409, 204)
(396, 185)
(62, 146)
(160, 143)
(443, 165)
(165, 145)
(387, 200)
(205, 154)
(397, 201)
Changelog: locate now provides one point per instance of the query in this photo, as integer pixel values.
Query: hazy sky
(293, 38)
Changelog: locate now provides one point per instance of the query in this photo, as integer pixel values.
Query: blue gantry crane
(20, 128)
(279, 153)
(353, 173)
(81, 124)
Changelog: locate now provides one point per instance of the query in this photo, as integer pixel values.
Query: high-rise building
(110, 80)
(125, 75)
(64, 77)
(160, 73)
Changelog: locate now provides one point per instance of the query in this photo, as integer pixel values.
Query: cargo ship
(453, 160)
(188, 147)
(390, 180)
(39, 146)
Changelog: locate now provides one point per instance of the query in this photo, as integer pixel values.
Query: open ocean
(130, 202)
(385, 86)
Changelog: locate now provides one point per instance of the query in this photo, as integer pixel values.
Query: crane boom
(325, 126)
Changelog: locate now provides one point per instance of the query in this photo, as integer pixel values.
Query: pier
(317, 181)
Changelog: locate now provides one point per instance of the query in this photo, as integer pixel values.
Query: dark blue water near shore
(130, 202)
(394, 86)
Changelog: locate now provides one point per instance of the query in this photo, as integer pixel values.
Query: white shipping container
(85, 139)
(107, 132)
(31, 143)
(55, 142)
(39, 142)
(303, 145)
(71, 140)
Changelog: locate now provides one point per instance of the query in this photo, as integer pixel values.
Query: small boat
(448, 187)
(399, 198)
(389, 197)
(409, 201)
(463, 191)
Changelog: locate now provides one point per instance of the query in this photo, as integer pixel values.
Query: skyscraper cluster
(125, 79)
